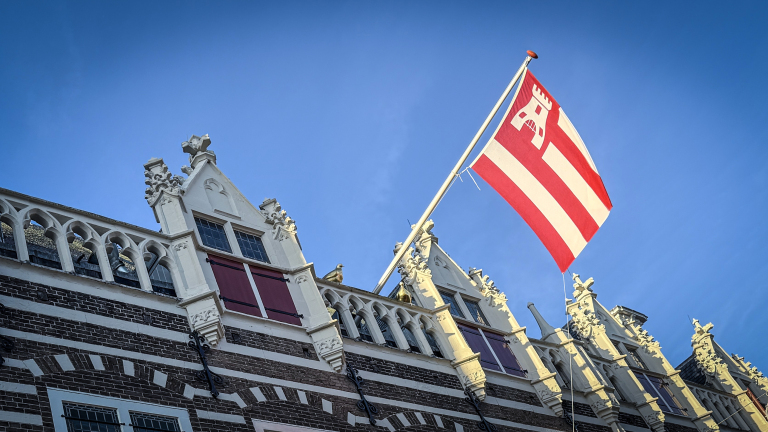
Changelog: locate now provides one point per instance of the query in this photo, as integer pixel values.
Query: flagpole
(428, 212)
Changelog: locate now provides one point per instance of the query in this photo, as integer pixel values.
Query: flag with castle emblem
(539, 164)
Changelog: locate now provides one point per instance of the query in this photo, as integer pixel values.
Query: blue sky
(351, 114)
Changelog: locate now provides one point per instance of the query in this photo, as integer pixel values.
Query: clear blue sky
(351, 115)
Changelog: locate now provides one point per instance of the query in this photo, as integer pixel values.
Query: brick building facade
(219, 323)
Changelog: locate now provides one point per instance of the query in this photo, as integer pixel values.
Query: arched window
(7, 243)
(564, 377)
(409, 336)
(337, 316)
(123, 268)
(362, 326)
(433, 344)
(159, 275)
(42, 249)
(389, 338)
(85, 261)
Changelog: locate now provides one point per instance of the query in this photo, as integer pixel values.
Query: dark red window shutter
(506, 357)
(475, 341)
(234, 285)
(275, 295)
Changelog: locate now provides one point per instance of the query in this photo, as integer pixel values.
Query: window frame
(215, 221)
(237, 230)
(632, 352)
(454, 303)
(483, 320)
(57, 398)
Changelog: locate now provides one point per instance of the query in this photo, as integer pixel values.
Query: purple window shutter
(275, 295)
(506, 357)
(234, 285)
(475, 341)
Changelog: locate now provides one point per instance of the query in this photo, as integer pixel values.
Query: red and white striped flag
(539, 164)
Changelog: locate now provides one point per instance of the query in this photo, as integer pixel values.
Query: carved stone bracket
(328, 344)
(471, 374)
(283, 227)
(204, 314)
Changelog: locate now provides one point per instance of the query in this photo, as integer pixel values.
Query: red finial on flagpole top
(532, 54)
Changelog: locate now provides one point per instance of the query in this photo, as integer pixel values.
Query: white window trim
(57, 397)
(267, 426)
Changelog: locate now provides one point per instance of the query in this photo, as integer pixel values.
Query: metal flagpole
(531, 55)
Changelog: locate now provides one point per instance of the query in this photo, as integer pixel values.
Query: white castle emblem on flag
(535, 114)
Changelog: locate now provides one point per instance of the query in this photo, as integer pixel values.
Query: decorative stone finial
(546, 329)
(197, 147)
(159, 179)
(283, 226)
(581, 287)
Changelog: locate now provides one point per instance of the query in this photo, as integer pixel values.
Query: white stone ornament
(196, 145)
(158, 180)
(413, 267)
(283, 227)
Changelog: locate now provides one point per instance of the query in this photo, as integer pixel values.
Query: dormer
(242, 263)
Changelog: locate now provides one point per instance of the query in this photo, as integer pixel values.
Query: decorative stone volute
(197, 147)
(283, 226)
(159, 180)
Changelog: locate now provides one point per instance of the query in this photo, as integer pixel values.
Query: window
(636, 358)
(449, 299)
(275, 295)
(251, 247)
(389, 338)
(362, 328)
(433, 344)
(83, 418)
(477, 314)
(159, 275)
(7, 244)
(234, 287)
(564, 377)
(658, 388)
(42, 250)
(411, 338)
(494, 351)
(618, 347)
(152, 423)
(505, 357)
(337, 316)
(82, 412)
(213, 235)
